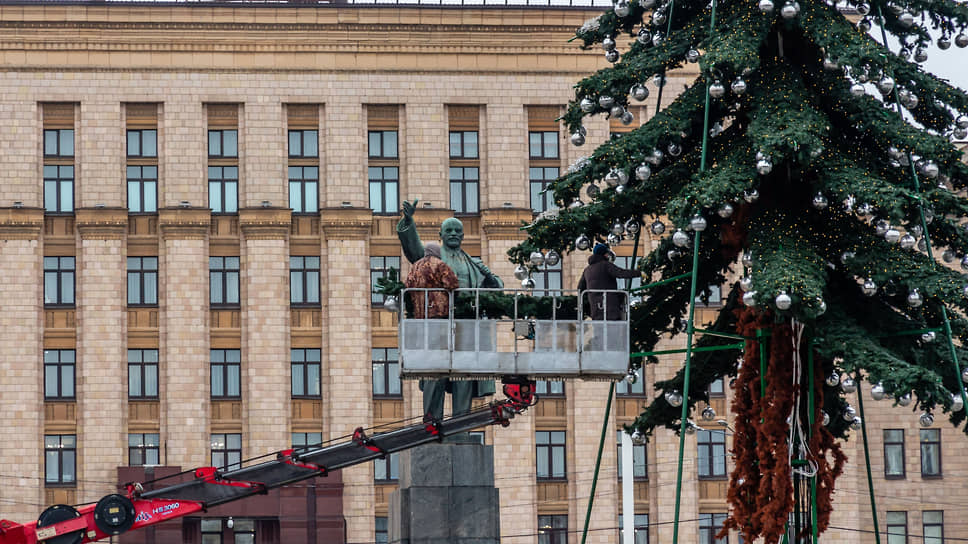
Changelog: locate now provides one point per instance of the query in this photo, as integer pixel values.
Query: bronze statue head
(452, 233)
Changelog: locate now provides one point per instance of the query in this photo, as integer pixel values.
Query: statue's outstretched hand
(409, 208)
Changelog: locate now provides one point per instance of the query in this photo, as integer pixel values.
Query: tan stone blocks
(506, 156)
(183, 151)
(426, 155)
(99, 154)
(264, 151)
(345, 148)
(20, 133)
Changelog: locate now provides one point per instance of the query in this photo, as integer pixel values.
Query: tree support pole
(598, 461)
(867, 457)
(811, 419)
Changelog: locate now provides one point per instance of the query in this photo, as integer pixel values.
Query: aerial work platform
(550, 337)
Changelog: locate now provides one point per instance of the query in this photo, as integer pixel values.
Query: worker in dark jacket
(602, 274)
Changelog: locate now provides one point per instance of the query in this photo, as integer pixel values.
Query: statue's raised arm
(413, 248)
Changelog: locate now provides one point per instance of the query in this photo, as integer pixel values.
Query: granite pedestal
(446, 496)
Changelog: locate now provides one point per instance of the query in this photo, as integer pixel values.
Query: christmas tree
(816, 165)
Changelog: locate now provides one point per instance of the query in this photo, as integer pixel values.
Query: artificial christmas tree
(817, 165)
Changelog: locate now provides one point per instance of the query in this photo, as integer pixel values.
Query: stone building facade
(194, 202)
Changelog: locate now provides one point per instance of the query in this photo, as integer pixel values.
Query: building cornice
(21, 223)
(185, 223)
(346, 223)
(101, 223)
(265, 223)
(505, 223)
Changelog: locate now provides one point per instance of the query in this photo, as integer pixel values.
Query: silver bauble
(657, 156)
(698, 223)
(959, 133)
(717, 90)
(621, 9)
(673, 254)
(961, 121)
(825, 419)
(577, 139)
(790, 10)
(746, 283)
(657, 227)
(616, 111)
(642, 172)
(738, 86)
(881, 227)
(833, 379)
(608, 43)
(930, 170)
(692, 55)
(914, 298)
(904, 399)
(892, 236)
(751, 195)
(391, 304)
(830, 65)
(638, 438)
(587, 105)
(680, 239)
(869, 288)
(644, 36)
(783, 301)
(957, 403)
(674, 398)
(725, 211)
(856, 424)
(611, 178)
(885, 85)
(605, 102)
(865, 209)
(846, 256)
(747, 259)
(849, 413)
(857, 90)
(915, 230)
(716, 129)
(658, 17)
(847, 385)
(863, 8)
(632, 226)
(922, 245)
(617, 228)
(536, 258)
(520, 272)
(639, 92)
(613, 239)
(647, 4)
(674, 149)
(631, 376)
(749, 298)
(944, 42)
(948, 256)
(764, 167)
(964, 375)
(766, 6)
(527, 283)
(929, 337)
(864, 25)
(908, 241)
(877, 392)
(552, 258)
(905, 19)
(627, 118)
(961, 40)
(920, 54)
(926, 419)
(582, 243)
(691, 427)
(708, 414)
(819, 201)
(657, 40)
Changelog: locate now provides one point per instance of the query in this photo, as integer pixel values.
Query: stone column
(265, 324)
(346, 368)
(427, 160)
(102, 393)
(264, 163)
(586, 408)
(506, 148)
(100, 180)
(345, 153)
(21, 342)
(184, 337)
(184, 151)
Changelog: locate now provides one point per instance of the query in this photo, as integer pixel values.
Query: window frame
(221, 136)
(380, 154)
(386, 469)
(708, 527)
(938, 452)
(224, 368)
(889, 525)
(386, 184)
(543, 275)
(221, 184)
(462, 144)
(554, 529)
(305, 365)
(143, 448)
(638, 528)
(60, 134)
(544, 136)
(304, 442)
(537, 187)
(142, 366)
(546, 448)
(381, 529)
(550, 389)
(890, 444)
(143, 275)
(227, 273)
(203, 531)
(61, 450)
(383, 367)
(141, 181)
(305, 185)
(377, 299)
(465, 185)
(636, 448)
(59, 366)
(226, 450)
(140, 132)
(301, 132)
(706, 443)
(60, 274)
(925, 538)
(303, 272)
(60, 182)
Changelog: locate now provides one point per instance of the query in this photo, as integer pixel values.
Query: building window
(897, 527)
(306, 440)
(59, 143)
(640, 467)
(58, 281)
(227, 451)
(226, 372)
(303, 144)
(549, 388)
(223, 275)
(463, 144)
(552, 529)
(547, 278)
(539, 179)
(465, 188)
(142, 143)
(379, 268)
(59, 371)
(223, 144)
(386, 373)
(550, 455)
(142, 373)
(626, 389)
(387, 469)
(640, 526)
(932, 523)
(304, 281)
(142, 189)
(305, 373)
(543, 145)
(930, 453)
(709, 526)
(716, 388)
(382, 529)
(58, 188)
(244, 531)
(211, 531)
(712, 453)
(893, 453)
(142, 281)
(384, 189)
(382, 144)
(60, 459)
(143, 449)
(304, 189)
(715, 297)
(223, 189)
(628, 263)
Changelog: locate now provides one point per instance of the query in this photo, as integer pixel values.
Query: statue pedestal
(446, 496)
